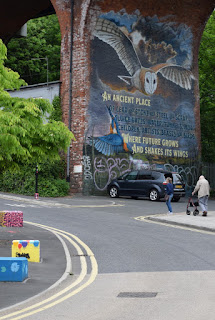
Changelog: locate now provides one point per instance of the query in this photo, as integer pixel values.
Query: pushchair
(194, 204)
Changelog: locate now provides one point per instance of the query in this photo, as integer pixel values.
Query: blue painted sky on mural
(121, 19)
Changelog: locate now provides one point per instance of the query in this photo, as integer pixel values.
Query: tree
(43, 40)
(207, 92)
(26, 136)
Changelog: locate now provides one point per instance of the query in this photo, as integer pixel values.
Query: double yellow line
(69, 291)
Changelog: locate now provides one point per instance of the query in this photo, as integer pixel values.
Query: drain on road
(137, 294)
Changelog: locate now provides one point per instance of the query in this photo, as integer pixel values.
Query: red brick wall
(80, 78)
(192, 13)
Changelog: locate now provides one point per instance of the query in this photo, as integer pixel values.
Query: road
(132, 269)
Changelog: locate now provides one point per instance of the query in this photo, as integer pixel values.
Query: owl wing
(108, 32)
(177, 74)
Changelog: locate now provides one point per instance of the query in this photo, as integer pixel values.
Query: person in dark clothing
(169, 194)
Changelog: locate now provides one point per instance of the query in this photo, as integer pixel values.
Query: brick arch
(191, 13)
(80, 76)
(14, 14)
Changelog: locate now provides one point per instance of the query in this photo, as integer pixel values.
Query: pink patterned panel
(11, 218)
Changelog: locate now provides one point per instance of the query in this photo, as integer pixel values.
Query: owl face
(150, 83)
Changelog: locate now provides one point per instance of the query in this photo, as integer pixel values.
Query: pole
(36, 184)
(47, 78)
(70, 93)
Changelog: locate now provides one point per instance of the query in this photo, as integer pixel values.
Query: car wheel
(176, 199)
(113, 192)
(153, 195)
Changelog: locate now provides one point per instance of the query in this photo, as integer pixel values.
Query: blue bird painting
(113, 142)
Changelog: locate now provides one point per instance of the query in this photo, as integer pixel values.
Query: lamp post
(47, 69)
(36, 184)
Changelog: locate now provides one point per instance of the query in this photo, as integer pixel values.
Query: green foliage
(8, 78)
(57, 112)
(207, 92)
(43, 40)
(51, 182)
(25, 134)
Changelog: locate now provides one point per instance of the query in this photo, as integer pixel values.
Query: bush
(51, 181)
(53, 188)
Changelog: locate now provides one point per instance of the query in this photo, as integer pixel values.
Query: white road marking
(16, 205)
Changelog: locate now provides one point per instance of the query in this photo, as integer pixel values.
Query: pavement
(39, 273)
(190, 221)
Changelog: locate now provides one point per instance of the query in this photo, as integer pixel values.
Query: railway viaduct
(129, 64)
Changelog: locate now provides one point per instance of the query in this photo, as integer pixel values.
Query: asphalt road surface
(123, 268)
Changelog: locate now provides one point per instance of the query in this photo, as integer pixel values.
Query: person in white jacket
(203, 189)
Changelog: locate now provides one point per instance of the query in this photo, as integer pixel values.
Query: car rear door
(143, 182)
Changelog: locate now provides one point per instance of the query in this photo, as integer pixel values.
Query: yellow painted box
(29, 249)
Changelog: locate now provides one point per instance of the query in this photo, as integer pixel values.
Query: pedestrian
(203, 189)
(169, 193)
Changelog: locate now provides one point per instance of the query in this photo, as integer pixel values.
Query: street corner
(182, 220)
(150, 217)
(82, 201)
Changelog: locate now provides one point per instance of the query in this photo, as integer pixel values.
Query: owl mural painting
(142, 86)
(143, 79)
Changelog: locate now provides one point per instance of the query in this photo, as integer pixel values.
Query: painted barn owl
(143, 79)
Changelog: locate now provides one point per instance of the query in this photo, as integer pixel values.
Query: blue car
(146, 183)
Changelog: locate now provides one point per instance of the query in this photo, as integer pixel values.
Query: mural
(141, 78)
(142, 94)
(113, 142)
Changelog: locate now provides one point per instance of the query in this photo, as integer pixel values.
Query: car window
(144, 176)
(156, 175)
(131, 176)
(123, 176)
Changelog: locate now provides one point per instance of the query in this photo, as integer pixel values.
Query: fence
(208, 170)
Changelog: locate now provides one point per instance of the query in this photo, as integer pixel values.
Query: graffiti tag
(107, 169)
(87, 168)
